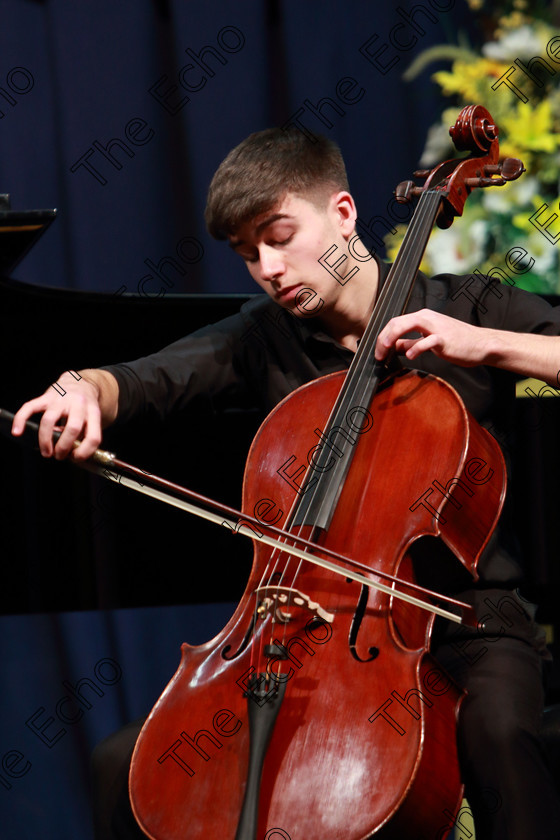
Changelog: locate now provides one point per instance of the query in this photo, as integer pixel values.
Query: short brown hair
(257, 174)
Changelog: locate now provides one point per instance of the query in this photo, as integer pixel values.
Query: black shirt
(257, 357)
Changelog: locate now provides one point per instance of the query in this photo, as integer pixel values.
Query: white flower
(438, 146)
(519, 43)
(543, 252)
(457, 249)
(516, 194)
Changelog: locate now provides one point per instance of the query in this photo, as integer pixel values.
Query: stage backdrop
(117, 114)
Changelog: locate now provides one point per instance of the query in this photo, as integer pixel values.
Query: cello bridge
(276, 600)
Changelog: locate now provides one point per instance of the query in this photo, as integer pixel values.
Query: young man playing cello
(282, 202)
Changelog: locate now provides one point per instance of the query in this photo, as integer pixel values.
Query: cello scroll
(476, 132)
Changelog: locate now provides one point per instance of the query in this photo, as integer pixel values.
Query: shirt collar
(312, 329)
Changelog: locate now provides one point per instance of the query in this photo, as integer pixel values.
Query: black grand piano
(72, 540)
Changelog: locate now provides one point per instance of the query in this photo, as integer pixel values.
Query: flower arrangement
(499, 218)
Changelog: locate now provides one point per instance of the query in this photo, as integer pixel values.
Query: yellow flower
(529, 131)
(393, 244)
(512, 21)
(521, 220)
(394, 241)
(530, 127)
(470, 79)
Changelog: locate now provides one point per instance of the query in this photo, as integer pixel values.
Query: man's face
(282, 248)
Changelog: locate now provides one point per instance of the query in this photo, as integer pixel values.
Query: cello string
(394, 302)
(395, 292)
(392, 298)
(393, 284)
(361, 376)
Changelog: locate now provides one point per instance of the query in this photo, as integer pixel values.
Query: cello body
(364, 740)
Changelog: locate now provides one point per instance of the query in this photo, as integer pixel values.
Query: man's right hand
(87, 405)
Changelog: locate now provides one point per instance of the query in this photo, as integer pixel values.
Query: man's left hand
(450, 339)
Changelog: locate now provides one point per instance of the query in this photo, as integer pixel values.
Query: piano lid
(19, 231)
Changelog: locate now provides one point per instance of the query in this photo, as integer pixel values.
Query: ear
(344, 207)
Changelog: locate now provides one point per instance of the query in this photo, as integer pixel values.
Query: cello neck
(395, 294)
(350, 412)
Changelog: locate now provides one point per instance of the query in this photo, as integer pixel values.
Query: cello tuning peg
(405, 191)
(509, 169)
(421, 173)
(512, 168)
(473, 183)
(493, 169)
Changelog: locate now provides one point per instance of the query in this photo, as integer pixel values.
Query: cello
(320, 698)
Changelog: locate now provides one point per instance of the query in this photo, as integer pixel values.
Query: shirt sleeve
(211, 364)
(487, 302)
(524, 312)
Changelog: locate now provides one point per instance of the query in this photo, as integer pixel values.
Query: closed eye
(254, 258)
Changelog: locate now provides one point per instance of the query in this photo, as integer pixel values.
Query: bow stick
(101, 460)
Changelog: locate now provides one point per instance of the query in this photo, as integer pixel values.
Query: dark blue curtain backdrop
(69, 680)
(102, 116)
(101, 119)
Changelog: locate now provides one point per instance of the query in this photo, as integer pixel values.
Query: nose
(271, 263)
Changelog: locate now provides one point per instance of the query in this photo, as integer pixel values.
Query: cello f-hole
(355, 629)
